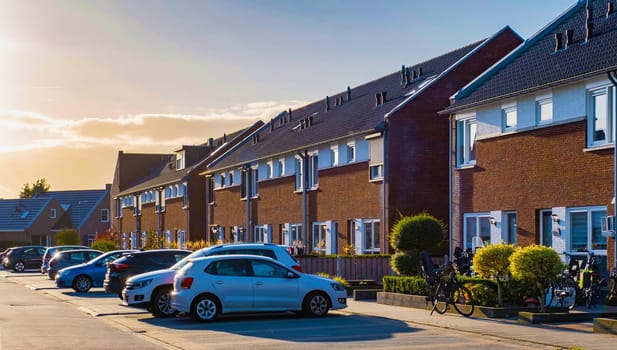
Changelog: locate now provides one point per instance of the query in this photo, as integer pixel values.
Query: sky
(82, 80)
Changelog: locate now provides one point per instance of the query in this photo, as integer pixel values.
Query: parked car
(68, 258)
(208, 287)
(151, 290)
(51, 251)
(24, 257)
(3, 254)
(135, 263)
(84, 276)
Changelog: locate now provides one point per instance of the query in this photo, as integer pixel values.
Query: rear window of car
(247, 251)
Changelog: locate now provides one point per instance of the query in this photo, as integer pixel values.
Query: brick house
(343, 168)
(27, 221)
(533, 140)
(163, 193)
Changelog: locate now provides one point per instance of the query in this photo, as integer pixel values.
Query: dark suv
(25, 257)
(128, 265)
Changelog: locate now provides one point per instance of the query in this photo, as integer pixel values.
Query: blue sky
(95, 77)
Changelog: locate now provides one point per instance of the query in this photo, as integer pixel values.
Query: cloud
(25, 131)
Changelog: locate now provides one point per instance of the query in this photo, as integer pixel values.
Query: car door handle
(259, 283)
(219, 282)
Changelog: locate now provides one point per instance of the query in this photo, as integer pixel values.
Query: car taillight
(297, 268)
(186, 282)
(118, 266)
(52, 263)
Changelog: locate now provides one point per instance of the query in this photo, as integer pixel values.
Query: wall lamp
(555, 218)
(492, 221)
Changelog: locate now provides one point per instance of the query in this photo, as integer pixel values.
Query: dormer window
(52, 213)
(180, 160)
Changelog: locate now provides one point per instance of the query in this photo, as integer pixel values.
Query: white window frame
(609, 93)
(546, 227)
(543, 115)
(589, 211)
(318, 234)
(376, 172)
(281, 167)
(509, 112)
(52, 213)
(269, 169)
(352, 152)
(479, 218)
(510, 237)
(466, 130)
(254, 184)
(369, 247)
(334, 158)
(312, 172)
(104, 215)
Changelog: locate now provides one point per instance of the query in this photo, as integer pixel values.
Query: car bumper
(136, 298)
(181, 302)
(63, 282)
(113, 286)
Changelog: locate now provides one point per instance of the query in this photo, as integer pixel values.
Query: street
(35, 314)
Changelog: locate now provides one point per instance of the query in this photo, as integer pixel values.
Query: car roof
(236, 256)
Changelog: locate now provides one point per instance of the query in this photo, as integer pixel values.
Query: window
(230, 178)
(546, 228)
(262, 234)
(600, 116)
(104, 215)
(509, 118)
(269, 170)
(510, 227)
(52, 213)
(179, 161)
(254, 177)
(319, 237)
(376, 172)
(544, 110)
(210, 191)
(119, 206)
(280, 169)
(312, 173)
(295, 234)
(586, 229)
(160, 202)
(334, 156)
(477, 230)
(371, 236)
(351, 152)
(222, 178)
(466, 142)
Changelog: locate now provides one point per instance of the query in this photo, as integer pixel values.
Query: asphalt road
(34, 314)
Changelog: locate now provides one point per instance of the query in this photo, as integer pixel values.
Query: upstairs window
(600, 111)
(544, 110)
(311, 173)
(334, 156)
(210, 190)
(52, 213)
(509, 118)
(351, 152)
(466, 131)
(104, 215)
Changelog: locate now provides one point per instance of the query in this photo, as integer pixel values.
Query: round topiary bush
(419, 232)
(406, 263)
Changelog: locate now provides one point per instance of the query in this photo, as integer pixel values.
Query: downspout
(385, 187)
(304, 180)
(450, 180)
(612, 75)
(247, 172)
(187, 214)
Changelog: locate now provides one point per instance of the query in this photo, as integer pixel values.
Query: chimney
(569, 35)
(210, 142)
(403, 76)
(271, 125)
(609, 9)
(413, 75)
(377, 99)
(588, 24)
(558, 42)
(383, 97)
(327, 103)
(348, 93)
(419, 72)
(289, 114)
(407, 77)
(224, 138)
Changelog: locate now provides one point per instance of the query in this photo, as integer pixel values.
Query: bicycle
(609, 284)
(444, 289)
(591, 289)
(563, 291)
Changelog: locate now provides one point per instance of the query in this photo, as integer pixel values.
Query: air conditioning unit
(608, 226)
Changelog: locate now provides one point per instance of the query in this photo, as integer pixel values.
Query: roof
(80, 203)
(20, 214)
(352, 112)
(164, 172)
(537, 65)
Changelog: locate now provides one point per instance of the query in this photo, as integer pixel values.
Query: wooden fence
(352, 268)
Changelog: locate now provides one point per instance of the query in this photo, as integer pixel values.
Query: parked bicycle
(562, 291)
(609, 283)
(444, 288)
(592, 290)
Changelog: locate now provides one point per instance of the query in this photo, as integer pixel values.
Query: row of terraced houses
(505, 140)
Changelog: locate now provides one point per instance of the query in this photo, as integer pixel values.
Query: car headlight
(337, 287)
(141, 283)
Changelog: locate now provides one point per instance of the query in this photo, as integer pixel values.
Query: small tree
(39, 186)
(536, 265)
(67, 237)
(409, 236)
(493, 261)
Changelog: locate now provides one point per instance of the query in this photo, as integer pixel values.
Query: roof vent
(348, 93)
(413, 75)
(255, 139)
(271, 125)
(569, 35)
(403, 76)
(210, 142)
(289, 114)
(383, 97)
(377, 99)
(558, 41)
(337, 101)
(327, 103)
(419, 72)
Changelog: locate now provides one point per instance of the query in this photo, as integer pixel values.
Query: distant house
(533, 140)
(163, 194)
(28, 221)
(336, 174)
(86, 211)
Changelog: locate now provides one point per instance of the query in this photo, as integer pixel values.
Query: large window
(586, 229)
(477, 230)
(371, 236)
(466, 142)
(311, 171)
(600, 113)
(544, 110)
(319, 237)
(510, 117)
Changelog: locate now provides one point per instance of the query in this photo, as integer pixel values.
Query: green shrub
(419, 232)
(406, 263)
(104, 245)
(493, 261)
(414, 285)
(483, 293)
(536, 265)
(67, 237)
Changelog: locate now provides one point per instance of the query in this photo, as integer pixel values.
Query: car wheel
(19, 266)
(205, 308)
(82, 284)
(161, 303)
(315, 304)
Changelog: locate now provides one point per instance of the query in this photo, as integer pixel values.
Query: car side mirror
(291, 275)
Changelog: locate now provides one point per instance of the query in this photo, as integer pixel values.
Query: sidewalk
(560, 336)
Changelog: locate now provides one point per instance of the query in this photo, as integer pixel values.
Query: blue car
(82, 277)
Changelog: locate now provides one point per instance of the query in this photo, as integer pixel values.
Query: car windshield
(104, 258)
(180, 264)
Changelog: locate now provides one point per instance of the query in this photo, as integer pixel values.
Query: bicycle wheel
(549, 294)
(463, 301)
(439, 298)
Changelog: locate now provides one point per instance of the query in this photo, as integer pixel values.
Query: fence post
(339, 266)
